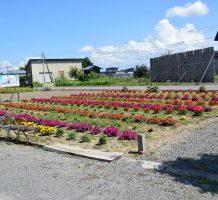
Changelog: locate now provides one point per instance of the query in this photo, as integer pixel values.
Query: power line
(152, 48)
(164, 38)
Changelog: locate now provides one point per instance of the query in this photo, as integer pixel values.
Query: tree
(22, 68)
(74, 72)
(86, 62)
(141, 71)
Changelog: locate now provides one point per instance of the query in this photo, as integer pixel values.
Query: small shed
(92, 68)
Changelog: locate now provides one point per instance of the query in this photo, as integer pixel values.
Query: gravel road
(31, 173)
(213, 86)
(200, 144)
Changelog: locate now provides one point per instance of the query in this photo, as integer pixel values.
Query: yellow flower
(184, 117)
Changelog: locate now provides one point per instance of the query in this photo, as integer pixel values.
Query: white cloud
(165, 37)
(5, 65)
(195, 9)
(86, 48)
(9, 65)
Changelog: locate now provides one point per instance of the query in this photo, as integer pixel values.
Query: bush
(74, 72)
(153, 88)
(72, 136)
(86, 138)
(37, 84)
(141, 71)
(22, 80)
(202, 88)
(59, 132)
(92, 75)
(124, 89)
(48, 86)
(103, 139)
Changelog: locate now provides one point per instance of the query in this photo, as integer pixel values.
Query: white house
(51, 70)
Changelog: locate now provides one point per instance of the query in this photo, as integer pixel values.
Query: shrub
(124, 89)
(37, 84)
(74, 73)
(72, 136)
(202, 88)
(48, 86)
(153, 88)
(103, 139)
(86, 138)
(141, 71)
(59, 132)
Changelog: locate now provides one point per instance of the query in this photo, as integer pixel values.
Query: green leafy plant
(48, 86)
(103, 139)
(153, 88)
(202, 88)
(59, 132)
(71, 136)
(86, 138)
(8, 90)
(37, 84)
(124, 89)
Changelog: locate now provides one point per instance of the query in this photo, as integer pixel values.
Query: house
(17, 72)
(92, 68)
(123, 74)
(111, 71)
(128, 70)
(36, 71)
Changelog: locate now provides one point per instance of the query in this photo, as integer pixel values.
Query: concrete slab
(151, 165)
(88, 153)
(178, 171)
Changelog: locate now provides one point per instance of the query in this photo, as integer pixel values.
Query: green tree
(141, 71)
(86, 62)
(74, 72)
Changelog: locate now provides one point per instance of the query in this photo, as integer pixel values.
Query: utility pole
(43, 65)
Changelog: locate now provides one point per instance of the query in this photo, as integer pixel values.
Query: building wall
(56, 69)
(216, 68)
(184, 67)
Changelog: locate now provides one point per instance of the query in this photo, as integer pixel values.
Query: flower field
(120, 115)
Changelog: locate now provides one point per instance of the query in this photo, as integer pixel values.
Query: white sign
(9, 80)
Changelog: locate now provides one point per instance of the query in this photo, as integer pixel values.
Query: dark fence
(216, 59)
(184, 67)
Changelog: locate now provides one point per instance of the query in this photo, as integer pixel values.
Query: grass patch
(8, 90)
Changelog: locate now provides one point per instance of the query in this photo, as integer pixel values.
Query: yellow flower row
(44, 130)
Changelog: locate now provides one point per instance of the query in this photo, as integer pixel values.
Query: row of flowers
(140, 98)
(117, 116)
(116, 105)
(44, 125)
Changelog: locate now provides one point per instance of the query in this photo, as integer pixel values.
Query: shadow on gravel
(202, 172)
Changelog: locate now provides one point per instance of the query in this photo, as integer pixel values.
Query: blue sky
(110, 32)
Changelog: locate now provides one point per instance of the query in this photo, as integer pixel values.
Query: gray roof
(90, 67)
(56, 60)
(17, 72)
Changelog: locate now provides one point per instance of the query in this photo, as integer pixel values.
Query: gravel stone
(31, 173)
